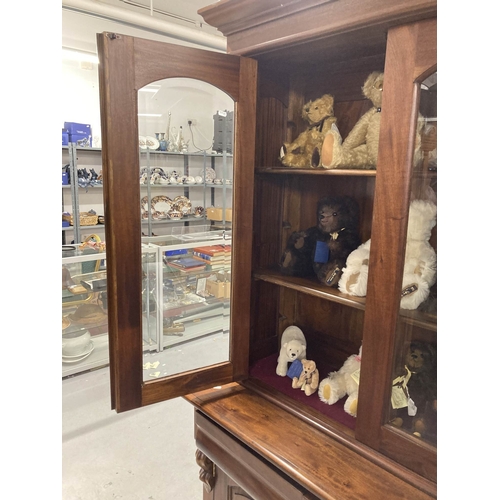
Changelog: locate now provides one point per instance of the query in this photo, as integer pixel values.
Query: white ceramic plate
(161, 204)
(142, 142)
(183, 203)
(79, 357)
(210, 174)
(151, 143)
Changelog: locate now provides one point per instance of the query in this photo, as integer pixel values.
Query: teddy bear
(343, 382)
(309, 378)
(322, 250)
(360, 147)
(414, 395)
(293, 346)
(319, 116)
(419, 272)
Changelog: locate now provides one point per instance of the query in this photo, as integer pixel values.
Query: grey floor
(144, 454)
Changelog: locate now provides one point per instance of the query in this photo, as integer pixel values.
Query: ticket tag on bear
(322, 252)
(412, 407)
(355, 375)
(398, 397)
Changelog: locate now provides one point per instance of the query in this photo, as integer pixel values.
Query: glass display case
(85, 343)
(186, 286)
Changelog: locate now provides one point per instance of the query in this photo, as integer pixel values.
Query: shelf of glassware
(84, 308)
(196, 299)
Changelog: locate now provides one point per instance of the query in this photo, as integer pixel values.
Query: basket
(86, 219)
(92, 244)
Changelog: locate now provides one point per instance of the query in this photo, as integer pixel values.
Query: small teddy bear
(342, 382)
(420, 259)
(319, 115)
(309, 378)
(293, 346)
(322, 250)
(417, 389)
(360, 147)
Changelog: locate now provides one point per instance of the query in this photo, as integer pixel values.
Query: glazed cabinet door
(397, 411)
(134, 76)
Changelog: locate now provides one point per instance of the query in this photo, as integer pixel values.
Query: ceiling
(79, 27)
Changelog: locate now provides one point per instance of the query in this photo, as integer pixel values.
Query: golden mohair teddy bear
(319, 115)
(308, 380)
(360, 147)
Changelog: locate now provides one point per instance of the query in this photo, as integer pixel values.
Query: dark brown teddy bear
(322, 250)
(420, 391)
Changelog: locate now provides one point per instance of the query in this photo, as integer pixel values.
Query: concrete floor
(143, 454)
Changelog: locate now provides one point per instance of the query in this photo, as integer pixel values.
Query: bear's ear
(352, 209)
(328, 102)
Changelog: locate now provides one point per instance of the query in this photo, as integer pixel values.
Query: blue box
(65, 223)
(81, 140)
(78, 128)
(65, 179)
(65, 138)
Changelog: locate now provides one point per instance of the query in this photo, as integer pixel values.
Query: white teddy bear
(420, 259)
(345, 381)
(293, 346)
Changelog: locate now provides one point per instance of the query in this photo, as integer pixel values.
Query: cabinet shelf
(172, 153)
(309, 287)
(188, 186)
(82, 228)
(319, 171)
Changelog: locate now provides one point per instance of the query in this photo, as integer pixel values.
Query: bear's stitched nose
(293, 355)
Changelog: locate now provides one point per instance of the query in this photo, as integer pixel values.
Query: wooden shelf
(317, 171)
(309, 287)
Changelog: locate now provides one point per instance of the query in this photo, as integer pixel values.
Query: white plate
(142, 142)
(151, 143)
(210, 174)
(79, 357)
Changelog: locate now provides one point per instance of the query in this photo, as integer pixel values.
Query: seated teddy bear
(343, 382)
(420, 259)
(319, 116)
(293, 346)
(309, 378)
(322, 250)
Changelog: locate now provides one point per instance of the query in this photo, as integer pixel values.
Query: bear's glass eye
(334, 214)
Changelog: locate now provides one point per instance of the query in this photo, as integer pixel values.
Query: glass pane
(414, 395)
(84, 307)
(186, 178)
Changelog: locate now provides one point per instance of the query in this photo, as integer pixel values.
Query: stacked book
(215, 256)
(187, 264)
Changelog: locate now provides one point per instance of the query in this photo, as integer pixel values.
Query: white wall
(185, 100)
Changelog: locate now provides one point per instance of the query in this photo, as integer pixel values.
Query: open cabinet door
(126, 65)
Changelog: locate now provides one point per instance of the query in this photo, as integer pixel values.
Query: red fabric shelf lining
(265, 371)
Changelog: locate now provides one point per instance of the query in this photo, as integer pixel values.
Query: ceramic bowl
(75, 343)
(175, 214)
